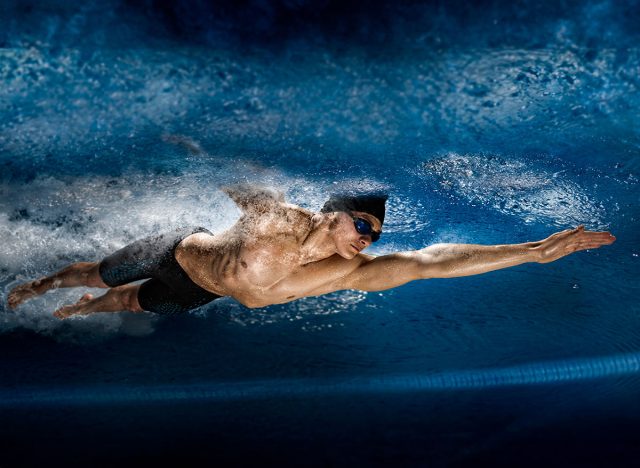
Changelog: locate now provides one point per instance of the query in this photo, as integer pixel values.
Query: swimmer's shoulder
(254, 199)
(298, 220)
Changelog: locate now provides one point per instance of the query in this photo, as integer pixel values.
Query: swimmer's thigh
(142, 258)
(159, 297)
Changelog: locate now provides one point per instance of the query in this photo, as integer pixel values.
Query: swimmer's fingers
(595, 242)
(569, 241)
(579, 234)
(594, 238)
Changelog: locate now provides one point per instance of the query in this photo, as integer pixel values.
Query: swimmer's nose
(365, 241)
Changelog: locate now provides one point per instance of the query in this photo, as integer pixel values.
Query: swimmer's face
(350, 242)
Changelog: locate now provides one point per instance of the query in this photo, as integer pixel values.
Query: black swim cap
(371, 203)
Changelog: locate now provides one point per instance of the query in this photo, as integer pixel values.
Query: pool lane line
(552, 372)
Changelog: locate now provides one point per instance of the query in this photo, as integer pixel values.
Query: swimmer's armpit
(251, 197)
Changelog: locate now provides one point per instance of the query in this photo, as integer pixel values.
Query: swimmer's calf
(77, 274)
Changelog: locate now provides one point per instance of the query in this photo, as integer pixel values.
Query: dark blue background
(487, 122)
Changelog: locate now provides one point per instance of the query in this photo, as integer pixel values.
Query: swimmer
(279, 252)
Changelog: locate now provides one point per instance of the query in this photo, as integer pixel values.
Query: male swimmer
(278, 252)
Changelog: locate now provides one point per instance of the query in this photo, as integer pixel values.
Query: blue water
(500, 122)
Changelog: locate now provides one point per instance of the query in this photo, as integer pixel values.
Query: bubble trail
(527, 374)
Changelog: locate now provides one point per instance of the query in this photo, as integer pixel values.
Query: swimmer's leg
(76, 274)
(118, 299)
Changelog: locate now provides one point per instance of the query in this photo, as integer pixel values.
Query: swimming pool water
(489, 123)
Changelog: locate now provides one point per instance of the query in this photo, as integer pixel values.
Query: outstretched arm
(452, 260)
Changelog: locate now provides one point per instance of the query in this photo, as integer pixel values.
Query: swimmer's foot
(75, 309)
(25, 291)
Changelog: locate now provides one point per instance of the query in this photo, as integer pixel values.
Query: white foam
(514, 187)
(339, 302)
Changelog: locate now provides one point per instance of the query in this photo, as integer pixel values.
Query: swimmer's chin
(351, 253)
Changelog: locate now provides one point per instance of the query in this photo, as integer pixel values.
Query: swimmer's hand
(569, 241)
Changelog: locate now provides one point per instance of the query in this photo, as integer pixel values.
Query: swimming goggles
(364, 227)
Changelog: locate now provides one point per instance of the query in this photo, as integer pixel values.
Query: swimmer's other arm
(453, 260)
(253, 197)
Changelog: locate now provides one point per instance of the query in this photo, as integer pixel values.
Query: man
(278, 252)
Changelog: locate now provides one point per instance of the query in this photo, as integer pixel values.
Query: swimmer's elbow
(387, 272)
(428, 264)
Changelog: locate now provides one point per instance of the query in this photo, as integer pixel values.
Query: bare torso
(259, 261)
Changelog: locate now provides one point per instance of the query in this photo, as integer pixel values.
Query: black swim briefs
(170, 290)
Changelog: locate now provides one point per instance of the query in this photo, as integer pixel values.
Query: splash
(302, 309)
(514, 187)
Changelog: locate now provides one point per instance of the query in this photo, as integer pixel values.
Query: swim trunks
(170, 290)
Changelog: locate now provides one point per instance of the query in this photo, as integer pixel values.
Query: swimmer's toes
(66, 311)
(12, 300)
(63, 312)
(19, 295)
(74, 309)
(86, 298)
(58, 314)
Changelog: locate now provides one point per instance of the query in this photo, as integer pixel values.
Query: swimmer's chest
(270, 275)
(268, 248)
(264, 262)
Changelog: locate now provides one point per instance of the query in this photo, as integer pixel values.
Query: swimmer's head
(356, 220)
(371, 203)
